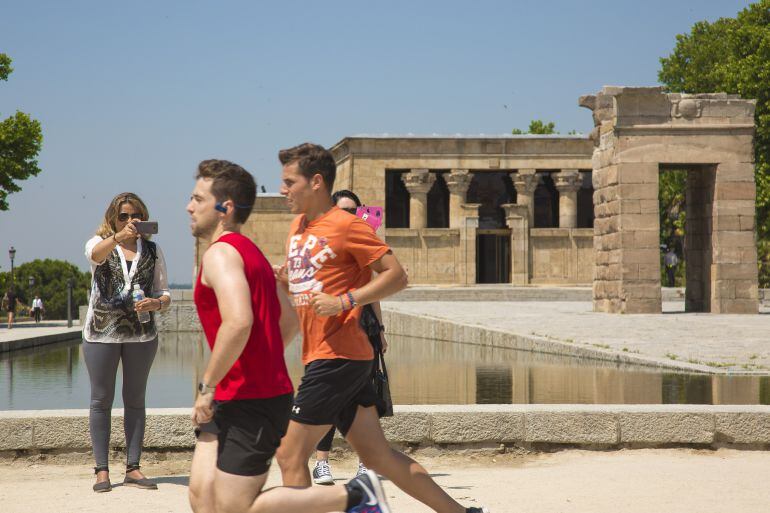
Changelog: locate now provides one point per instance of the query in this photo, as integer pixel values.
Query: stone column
(457, 181)
(568, 182)
(516, 219)
(418, 182)
(526, 181)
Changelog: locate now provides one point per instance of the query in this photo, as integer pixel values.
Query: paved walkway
(29, 334)
(727, 342)
(632, 481)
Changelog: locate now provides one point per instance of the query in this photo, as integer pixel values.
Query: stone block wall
(562, 255)
(640, 131)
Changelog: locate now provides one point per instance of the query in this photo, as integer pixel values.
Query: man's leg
(368, 440)
(297, 446)
(203, 473)
(239, 494)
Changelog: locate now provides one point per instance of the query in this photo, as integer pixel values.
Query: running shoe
(322, 473)
(361, 469)
(371, 489)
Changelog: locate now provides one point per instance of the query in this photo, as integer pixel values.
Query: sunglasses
(123, 216)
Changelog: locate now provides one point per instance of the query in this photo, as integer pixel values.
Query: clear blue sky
(133, 95)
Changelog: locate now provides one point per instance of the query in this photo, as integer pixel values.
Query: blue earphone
(219, 207)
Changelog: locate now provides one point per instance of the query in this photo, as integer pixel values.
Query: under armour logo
(295, 410)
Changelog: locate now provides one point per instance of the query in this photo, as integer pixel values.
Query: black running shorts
(249, 432)
(332, 390)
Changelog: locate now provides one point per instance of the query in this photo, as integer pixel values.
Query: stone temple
(564, 210)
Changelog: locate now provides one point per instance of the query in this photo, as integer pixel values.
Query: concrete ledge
(74, 333)
(582, 425)
(433, 328)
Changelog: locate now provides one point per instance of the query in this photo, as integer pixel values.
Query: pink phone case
(372, 215)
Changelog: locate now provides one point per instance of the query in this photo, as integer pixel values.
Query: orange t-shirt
(331, 254)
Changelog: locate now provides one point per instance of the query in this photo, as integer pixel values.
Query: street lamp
(31, 281)
(12, 254)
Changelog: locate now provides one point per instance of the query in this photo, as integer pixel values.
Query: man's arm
(289, 321)
(390, 279)
(223, 272)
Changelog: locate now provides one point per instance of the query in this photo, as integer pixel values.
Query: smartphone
(146, 227)
(372, 215)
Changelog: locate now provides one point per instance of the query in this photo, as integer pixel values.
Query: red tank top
(260, 371)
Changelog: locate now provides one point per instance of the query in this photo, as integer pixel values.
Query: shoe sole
(324, 481)
(135, 485)
(379, 492)
(103, 490)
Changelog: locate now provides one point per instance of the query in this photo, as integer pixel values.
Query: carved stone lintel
(419, 181)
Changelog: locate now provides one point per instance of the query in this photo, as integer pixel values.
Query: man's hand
(281, 274)
(202, 410)
(325, 305)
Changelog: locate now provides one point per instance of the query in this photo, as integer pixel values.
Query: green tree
(671, 196)
(20, 141)
(50, 284)
(537, 126)
(733, 55)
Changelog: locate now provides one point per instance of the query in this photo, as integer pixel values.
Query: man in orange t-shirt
(328, 271)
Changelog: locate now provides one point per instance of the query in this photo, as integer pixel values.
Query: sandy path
(671, 480)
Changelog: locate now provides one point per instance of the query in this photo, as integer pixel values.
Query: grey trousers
(102, 362)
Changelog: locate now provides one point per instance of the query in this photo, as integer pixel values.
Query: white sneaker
(322, 473)
(361, 469)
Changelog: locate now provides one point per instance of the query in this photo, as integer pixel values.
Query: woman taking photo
(122, 259)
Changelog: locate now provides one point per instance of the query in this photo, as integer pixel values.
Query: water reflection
(421, 371)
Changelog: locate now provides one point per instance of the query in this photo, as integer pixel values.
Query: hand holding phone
(146, 227)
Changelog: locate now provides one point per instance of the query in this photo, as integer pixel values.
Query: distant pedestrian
(37, 308)
(9, 305)
(671, 261)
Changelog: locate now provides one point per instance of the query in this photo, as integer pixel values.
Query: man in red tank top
(245, 396)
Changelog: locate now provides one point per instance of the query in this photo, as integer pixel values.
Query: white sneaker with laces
(322, 473)
(361, 469)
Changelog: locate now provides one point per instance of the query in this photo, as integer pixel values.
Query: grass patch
(671, 356)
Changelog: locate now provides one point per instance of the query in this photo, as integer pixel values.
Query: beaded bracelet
(352, 301)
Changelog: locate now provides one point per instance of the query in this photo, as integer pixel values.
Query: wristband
(115, 238)
(342, 304)
(352, 301)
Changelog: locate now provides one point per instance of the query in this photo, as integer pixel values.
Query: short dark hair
(230, 182)
(344, 193)
(312, 159)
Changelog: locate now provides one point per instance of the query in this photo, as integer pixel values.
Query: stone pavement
(632, 481)
(700, 341)
(28, 334)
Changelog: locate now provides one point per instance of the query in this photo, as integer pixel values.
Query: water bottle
(138, 295)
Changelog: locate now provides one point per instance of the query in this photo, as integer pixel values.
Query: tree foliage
(537, 126)
(20, 141)
(50, 284)
(733, 55)
(672, 217)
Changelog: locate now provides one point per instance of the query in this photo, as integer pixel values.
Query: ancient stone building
(540, 210)
(641, 132)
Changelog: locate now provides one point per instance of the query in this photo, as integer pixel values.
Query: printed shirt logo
(302, 266)
(295, 410)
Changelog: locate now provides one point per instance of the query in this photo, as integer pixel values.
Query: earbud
(220, 208)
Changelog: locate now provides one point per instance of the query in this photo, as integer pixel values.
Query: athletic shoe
(482, 509)
(371, 489)
(361, 469)
(322, 473)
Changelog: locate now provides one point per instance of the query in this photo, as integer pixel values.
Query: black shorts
(332, 390)
(249, 432)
